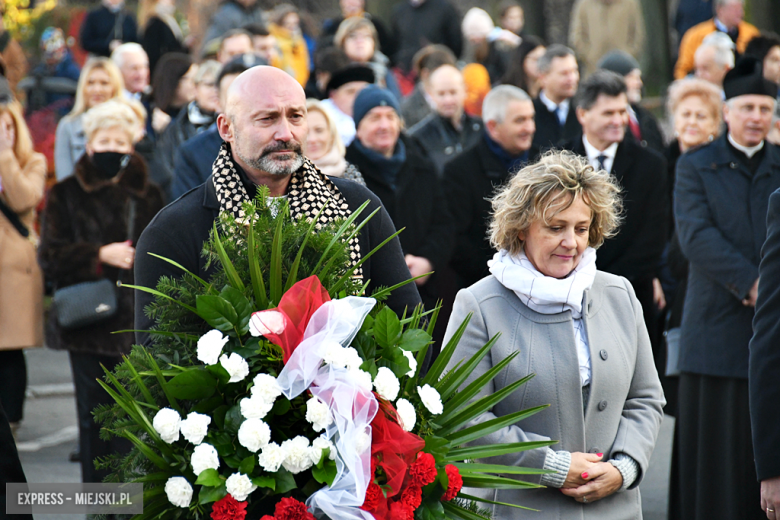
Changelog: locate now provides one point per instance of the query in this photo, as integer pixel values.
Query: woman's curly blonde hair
(543, 189)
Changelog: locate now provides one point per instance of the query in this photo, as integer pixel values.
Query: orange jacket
(694, 36)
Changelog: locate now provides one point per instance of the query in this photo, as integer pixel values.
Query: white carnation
(352, 359)
(179, 491)
(406, 413)
(266, 387)
(296, 454)
(363, 441)
(412, 363)
(363, 379)
(239, 486)
(166, 422)
(387, 384)
(235, 365)
(195, 427)
(271, 457)
(318, 414)
(265, 322)
(210, 346)
(334, 355)
(254, 434)
(431, 399)
(204, 457)
(321, 443)
(255, 407)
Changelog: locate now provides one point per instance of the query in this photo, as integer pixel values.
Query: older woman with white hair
(324, 146)
(579, 330)
(91, 223)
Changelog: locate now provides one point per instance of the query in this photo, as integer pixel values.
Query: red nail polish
(599, 454)
(585, 475)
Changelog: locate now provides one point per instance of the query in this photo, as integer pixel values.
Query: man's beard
(268, 164)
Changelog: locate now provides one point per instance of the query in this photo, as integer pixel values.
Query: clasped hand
(590, 479)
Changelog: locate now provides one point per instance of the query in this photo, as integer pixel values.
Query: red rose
(228, 509)
(401, 511)
(423, 471)
(291, 509)
(455, 483)
(412, 497)
(373, 496)
(267, 517)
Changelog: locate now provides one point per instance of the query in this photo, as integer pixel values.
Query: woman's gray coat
(623, 414)
(69, 144)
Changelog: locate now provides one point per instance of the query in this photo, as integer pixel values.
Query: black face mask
(109, 164)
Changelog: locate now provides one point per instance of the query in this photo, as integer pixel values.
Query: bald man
(448, 131)
(264, 128)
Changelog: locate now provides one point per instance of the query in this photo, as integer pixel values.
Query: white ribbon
(352, 406)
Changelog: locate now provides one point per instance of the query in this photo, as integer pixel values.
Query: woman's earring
(711, 138)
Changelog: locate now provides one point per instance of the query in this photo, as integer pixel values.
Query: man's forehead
(382, 110)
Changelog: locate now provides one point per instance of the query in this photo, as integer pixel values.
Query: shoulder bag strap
(14, 219)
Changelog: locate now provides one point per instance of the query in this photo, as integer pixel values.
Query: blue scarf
(510, 162)
(387, 167)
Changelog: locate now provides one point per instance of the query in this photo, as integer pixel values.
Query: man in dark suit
(765, 365)
(721, 199)
(472, 177)
(559, 76)
(602, 109)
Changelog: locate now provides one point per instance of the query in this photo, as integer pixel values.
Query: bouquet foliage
(277, 389)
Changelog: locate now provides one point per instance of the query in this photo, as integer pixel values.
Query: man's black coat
(180, 229)
(101, 27)
(764, 352)
(415, 203)
(441, 141)
(549, 132)
(470, 179)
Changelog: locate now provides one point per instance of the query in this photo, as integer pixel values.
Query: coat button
(602, 406)
(604, 354)
(733, 166)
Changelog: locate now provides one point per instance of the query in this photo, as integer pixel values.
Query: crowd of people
(619, 254)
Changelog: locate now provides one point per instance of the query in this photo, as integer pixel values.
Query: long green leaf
(387, 290)
(275, 275)
(447, 388)
(230, 269)
(452, 405)
(345, 244)
(258, 285)
(146, 450)
(153, 506)
(434, 374)
(163, 384)
(139, 382)
(457, 512)
(160, 476)
(158, 293)
(485, 500)
(494, 482)
(292, 278)
(492, 450)
(480, 430)
(473, 467)
(339, 234)
(480, 406)
(350, 272)
(203, 282)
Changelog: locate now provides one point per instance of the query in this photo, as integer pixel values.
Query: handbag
(87, 303)
(672, 352)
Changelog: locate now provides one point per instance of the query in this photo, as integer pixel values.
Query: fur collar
(134, 179)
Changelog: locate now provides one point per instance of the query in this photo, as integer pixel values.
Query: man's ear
(581, 115)
(225, 127)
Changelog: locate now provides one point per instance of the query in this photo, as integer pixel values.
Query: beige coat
(21, 282)
(600, 26)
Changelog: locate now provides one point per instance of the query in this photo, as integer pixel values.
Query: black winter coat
(158, 39)
(101, 27)
(83, 213)
(179, 231)
(549, 133)
(415, 26)
(442, 142)
(470, 179)
(417, 204)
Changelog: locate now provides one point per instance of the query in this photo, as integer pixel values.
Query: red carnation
(455, 483)
(423, 471)
(228, 509)
(412, 496)
(267, 517)
(401, 511)
(291, 509)
(373, 496)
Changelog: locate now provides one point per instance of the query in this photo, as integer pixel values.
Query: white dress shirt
(593, 154)
(561, 109)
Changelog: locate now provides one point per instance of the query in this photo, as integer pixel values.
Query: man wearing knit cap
(720, 202)
(343, 87)
(397, 169)
(641, 123)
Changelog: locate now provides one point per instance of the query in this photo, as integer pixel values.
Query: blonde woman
(86, 235)
(324, 146)
(358, 38)
(100, 81)
(22, 180)
(580, 330)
